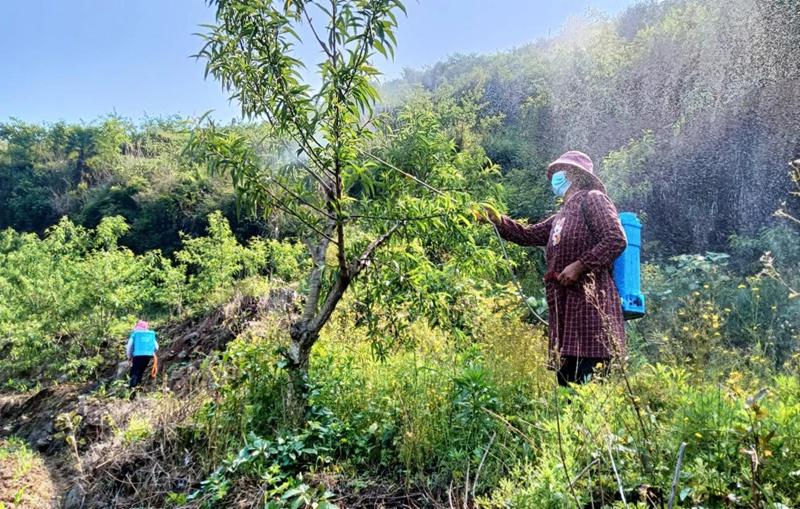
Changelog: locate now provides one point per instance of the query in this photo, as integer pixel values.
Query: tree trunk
(305, 331)
(302, 339)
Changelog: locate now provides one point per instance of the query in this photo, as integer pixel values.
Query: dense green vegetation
(72, 295)
(110, 167)
(420, 374)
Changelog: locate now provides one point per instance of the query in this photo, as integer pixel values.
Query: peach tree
(367, 193)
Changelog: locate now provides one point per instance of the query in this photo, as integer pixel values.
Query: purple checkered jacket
(586, 318)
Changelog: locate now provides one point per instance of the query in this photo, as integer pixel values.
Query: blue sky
(76, 60)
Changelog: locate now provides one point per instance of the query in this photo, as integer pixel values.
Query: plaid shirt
(586, 318)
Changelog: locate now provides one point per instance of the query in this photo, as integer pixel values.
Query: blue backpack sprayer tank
(626, 270)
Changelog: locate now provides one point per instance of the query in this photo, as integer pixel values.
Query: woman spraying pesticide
(581, 241)
(142, 346)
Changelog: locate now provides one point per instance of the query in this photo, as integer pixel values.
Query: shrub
(700, 312)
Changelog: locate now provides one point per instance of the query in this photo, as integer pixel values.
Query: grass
(138, 429)
(15, 452)
(24, 479)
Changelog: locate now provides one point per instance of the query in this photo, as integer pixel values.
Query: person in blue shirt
(142, 347)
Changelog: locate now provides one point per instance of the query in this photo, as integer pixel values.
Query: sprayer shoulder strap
(586, 219)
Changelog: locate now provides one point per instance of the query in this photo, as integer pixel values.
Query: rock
(122, 370)
(42, 442)
(42, 437)
(74, 497)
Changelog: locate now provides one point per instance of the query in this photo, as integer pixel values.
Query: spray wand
(493, 211)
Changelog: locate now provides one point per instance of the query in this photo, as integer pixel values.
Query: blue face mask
(560, 183)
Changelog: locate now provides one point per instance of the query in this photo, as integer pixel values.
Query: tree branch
(316, 36)
(343, 280)
(294, 213)
(400, 219)
(340, 254)
(363, 261)
(301, 140)
(398, 170)
(299, 198)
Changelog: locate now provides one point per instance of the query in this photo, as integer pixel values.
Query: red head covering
(579, 160)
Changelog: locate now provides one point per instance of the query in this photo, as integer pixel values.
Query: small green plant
(114, 389)
(176, 499)
(19, 496)
(303, 495)
(137, 429)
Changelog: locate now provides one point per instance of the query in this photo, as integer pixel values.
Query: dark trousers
(579, 370)
(138, 368)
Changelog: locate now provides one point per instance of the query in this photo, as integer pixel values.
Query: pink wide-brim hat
(579, 160)
(141, 325)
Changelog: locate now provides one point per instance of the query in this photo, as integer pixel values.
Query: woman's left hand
(571, 273)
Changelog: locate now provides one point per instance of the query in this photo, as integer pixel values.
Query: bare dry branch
(676, 476)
